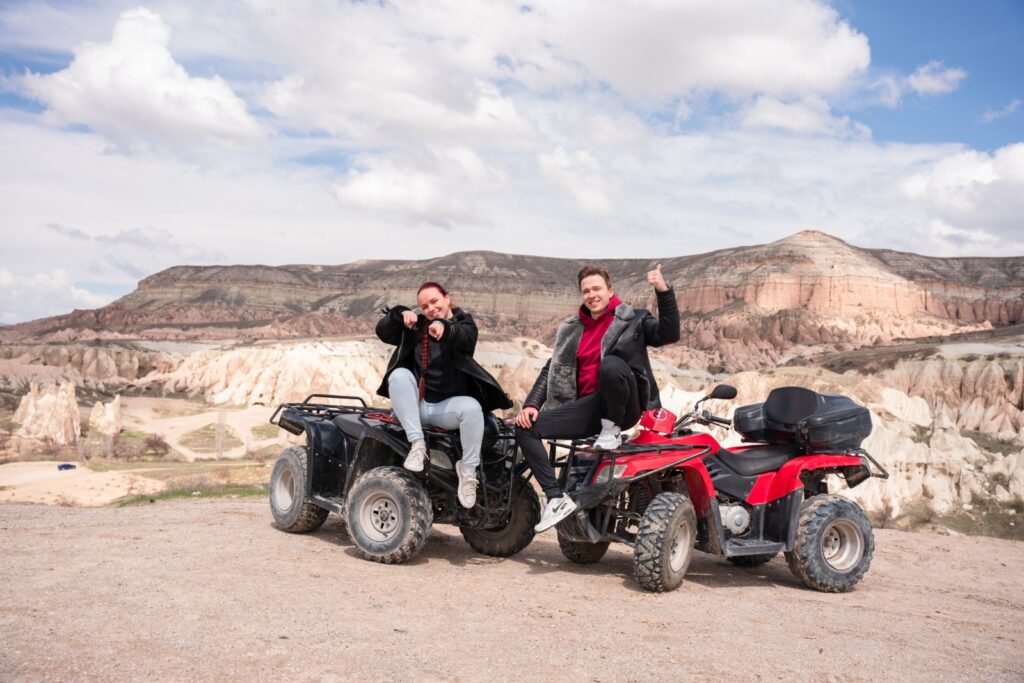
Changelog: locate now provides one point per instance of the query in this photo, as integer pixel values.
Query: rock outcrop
(105, 418)
(50, 414)
(81, 364)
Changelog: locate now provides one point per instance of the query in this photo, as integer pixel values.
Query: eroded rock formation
(105, 418)
(50, 414)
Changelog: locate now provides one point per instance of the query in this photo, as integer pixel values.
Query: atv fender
(374, 449)
(772, 486)
(325, 445)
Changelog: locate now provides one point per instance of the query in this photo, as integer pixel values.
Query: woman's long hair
(435, 285)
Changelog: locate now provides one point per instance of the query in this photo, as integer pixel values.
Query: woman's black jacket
(460, 336)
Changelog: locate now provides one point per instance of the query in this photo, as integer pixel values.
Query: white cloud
(388, 73)
(810, 115)
(935, 78)
(416, 128)
(438, 187)
(654, 49)
(974, 191)
(132, 91)
(991, 115)
(581, 175)
(43, 294)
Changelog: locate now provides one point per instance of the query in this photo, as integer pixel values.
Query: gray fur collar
(562, 371)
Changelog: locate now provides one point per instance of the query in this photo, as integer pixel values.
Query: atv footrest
(737, 547)
(332, 504)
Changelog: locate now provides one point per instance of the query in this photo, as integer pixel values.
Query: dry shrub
(157, 445)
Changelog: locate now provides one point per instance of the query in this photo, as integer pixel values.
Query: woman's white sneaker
(555, 511)
(417, 455)
(467, 485)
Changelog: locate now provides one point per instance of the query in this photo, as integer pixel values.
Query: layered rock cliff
(745, 307)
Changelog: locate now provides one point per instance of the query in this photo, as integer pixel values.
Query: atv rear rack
(323, 409)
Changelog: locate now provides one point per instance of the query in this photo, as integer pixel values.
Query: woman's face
(434, 304)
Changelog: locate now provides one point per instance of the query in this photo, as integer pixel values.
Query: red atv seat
(758, 459)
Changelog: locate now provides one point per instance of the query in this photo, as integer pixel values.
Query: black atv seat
(759, 459)
(491, 429)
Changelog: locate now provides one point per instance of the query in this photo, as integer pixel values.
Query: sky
(135, 137)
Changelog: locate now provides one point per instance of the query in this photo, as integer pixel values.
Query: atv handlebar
(708, 417)
(704, 418)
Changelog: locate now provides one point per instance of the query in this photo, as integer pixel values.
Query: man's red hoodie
(588, 355)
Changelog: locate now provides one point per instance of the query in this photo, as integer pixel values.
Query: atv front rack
(593, 495)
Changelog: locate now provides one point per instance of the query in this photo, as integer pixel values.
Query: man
(599, 378)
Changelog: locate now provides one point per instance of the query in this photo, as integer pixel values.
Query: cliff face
(967, 289)
(742, 308)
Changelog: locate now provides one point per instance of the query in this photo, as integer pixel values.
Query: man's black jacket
(628, 337)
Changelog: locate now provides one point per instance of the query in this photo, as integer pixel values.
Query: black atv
(352, 464)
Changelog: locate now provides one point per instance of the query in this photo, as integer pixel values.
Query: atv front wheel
(664, 542)
(751, 560)
(293, 512)
(389, 515)
(834, 544)
(516, 534)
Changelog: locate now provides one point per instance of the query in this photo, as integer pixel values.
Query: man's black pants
(616, 400)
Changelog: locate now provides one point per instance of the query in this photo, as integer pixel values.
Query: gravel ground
(210, 590)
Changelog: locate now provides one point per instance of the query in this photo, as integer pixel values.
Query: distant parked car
(66, 466)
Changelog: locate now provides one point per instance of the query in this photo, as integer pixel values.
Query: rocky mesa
(743, 308)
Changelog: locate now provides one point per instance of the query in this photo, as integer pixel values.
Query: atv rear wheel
(751, 560)
(664, 542)
(389, 515)
(834, 544)
(579, 552)
(516, 534)
(293, 512)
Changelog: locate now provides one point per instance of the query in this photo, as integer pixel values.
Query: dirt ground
(42, 482)
(210, 590)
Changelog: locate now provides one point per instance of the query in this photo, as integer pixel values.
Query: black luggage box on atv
(813, 421)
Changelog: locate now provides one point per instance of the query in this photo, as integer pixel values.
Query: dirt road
(209, 590)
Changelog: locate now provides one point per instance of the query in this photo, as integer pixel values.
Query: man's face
(596, 294)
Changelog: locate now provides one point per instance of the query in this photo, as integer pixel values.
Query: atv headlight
(606, 474)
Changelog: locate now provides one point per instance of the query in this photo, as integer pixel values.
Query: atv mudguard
(333, 451)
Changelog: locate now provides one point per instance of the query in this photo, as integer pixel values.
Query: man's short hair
(587, 271)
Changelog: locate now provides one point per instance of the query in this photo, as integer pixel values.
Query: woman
(432, 379)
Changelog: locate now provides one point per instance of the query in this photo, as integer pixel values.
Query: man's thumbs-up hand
(657, 279)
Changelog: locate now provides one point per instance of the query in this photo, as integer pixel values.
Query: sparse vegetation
(267, 431)
(988, 519)
(267, 452)
(188, 408)
(212, 438)
(157, 445)
(992, 443)
(869, 360)
(921, 434)
(131, 435)
(206, 478)
(207, 492)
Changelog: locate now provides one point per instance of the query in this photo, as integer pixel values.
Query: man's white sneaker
(555, 511)
(610, 437)
(417, 455)
(467, 484)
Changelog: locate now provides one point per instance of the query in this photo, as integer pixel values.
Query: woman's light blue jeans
(458, 412)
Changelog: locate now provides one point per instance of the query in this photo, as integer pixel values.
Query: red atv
(670, 490)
